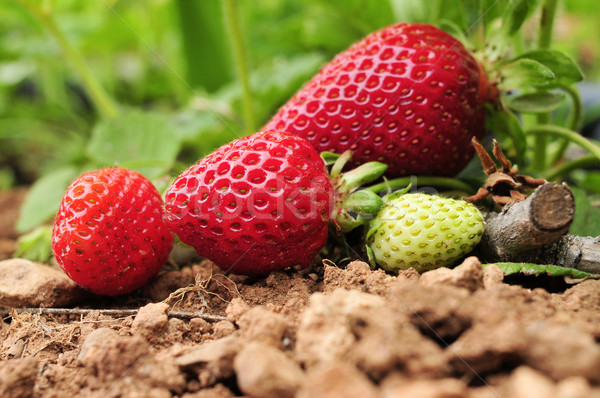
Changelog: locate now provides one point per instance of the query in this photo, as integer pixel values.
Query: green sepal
(340, 163)
(525, 72)
(329, 157)
(373, 227)
(361, 175)
(365, 204)
(371, 256)
(346, 223)
(537, 102)
(397, 193)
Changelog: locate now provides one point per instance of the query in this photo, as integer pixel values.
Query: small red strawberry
(408, 95)
(109, 235)
(255, 205)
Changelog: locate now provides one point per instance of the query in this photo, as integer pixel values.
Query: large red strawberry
(257, 204)
(109, 235)
(407, 95)
(263, 203)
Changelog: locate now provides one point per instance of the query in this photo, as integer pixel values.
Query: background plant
(155, 85)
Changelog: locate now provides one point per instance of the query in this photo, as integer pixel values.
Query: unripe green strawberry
(423, 232)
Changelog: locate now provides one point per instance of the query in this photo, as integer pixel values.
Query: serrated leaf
(564, 68)
(537, 102)
(586, 221)
(143, 139)
(516, 13)
(525, 73)
(539, 269)
(43, 199)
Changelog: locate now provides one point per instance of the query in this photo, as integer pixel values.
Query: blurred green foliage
(168, 66)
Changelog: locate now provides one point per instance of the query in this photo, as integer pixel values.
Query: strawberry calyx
(353, 207)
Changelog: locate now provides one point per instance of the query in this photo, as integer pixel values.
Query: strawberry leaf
(143, 140)
(587, 217)
(43, 199)
(516, 13)
(539, 269)
(525, 72)
(564, 68)
(537, 102)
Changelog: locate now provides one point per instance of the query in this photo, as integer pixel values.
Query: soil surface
(322, 332)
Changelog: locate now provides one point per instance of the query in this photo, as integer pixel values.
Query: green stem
(241, 62)
(574, 121)
(567, 167)
(99, 96)
(577, 110)
(570, 135)
(543, 42)
(402, 182)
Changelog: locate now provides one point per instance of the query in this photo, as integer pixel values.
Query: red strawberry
(407, 95)
(109, 235)
(255, 205)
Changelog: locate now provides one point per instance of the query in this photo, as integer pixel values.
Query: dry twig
(110, 312)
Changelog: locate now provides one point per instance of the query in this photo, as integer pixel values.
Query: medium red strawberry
(255, 205)
(407, 95)
(109, 235)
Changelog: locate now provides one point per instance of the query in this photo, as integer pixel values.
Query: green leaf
(589, 180)
(203, 36)
(516, 13)
(36, 245)
(43, 199)
(143, 140)
(506, 123)
(539, 269)
(365, 16)
(587, 217)
(537, 102)
(564, 68)
(525, 73)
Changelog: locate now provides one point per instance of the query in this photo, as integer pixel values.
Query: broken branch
(533, 231)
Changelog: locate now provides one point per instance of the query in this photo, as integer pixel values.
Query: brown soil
(323, 332)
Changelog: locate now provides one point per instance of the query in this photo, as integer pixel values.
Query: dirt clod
(334, 380)
(108, 355)
(442, 388)
(264, 371)
(526, 382)
(17, 377)
(27, 284)
(468, 275)
(151, 321)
